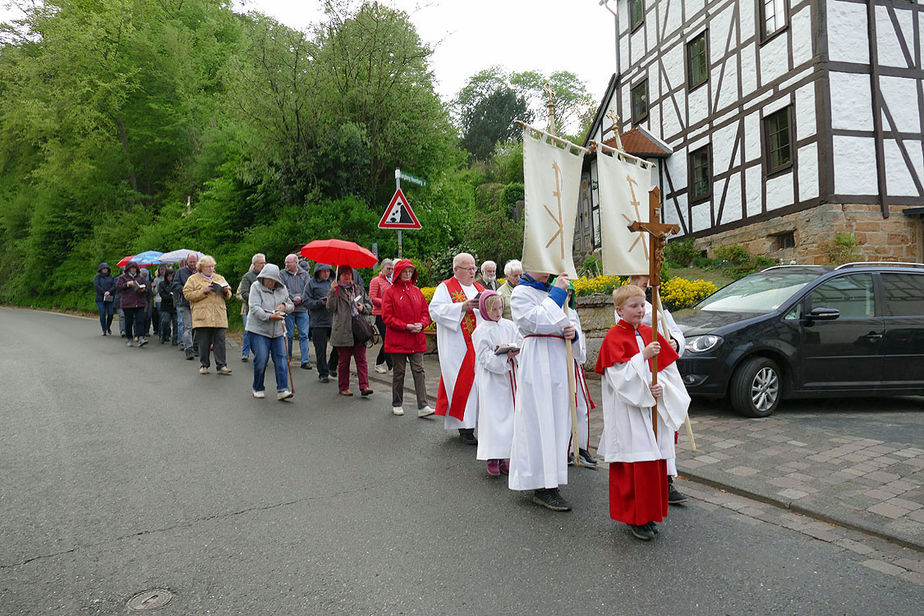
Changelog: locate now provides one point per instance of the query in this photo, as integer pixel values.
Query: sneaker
(653, 527)
(203, 370)
(586, 458)
(494, 468)
(142, 341)
(306, 365)
(505, 467)
(130, 343)
(365, 392)
(551, 499)
(333, 372)
(259, 394)
(673, 496)
(224, 370)
(190, 355)
(244, 358)
(397, 410)
(425, 412)
(381, 368)
(467, 435)
(643, 532)
(285, 394)
(346, 392)
(324, 379)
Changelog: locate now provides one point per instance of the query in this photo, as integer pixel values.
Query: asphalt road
(124, 469)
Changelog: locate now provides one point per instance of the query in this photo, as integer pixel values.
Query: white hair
(257, 257)
(512, 266)
(457, 260)
(487, 263)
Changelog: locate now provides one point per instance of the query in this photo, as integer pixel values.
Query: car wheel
(756, 387)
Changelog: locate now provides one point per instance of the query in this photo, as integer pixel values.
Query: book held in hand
(502, 349)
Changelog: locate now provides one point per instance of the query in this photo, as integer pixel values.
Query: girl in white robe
(495, 377)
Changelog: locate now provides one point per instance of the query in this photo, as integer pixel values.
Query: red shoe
(494, 468)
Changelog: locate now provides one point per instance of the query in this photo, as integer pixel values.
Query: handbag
(362, 331)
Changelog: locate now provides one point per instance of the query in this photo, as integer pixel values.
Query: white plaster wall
(654, 84)
(719, 25)
(805, 111)
(752, 136)
(653, 123)
(748, 70)
(778, 102)
(746, 19)
(779, 191)
(728, 95)
(702, 218)
(847, 32)
(623, 53)
(802, 39)
(693, 7)
(774, 58)
(901, 97)
(673, 66)
(851, 101)
(671, 15)
(698, 100)
(854, 166)
(651, 29)
(898, 176)
(888, 48)
(732, 210)
(677, 167)
(723, 142)
(671, 216)
(637, 41)
(753, 191)
(808, 172)
(673, 123)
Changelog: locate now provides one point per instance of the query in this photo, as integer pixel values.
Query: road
(125, 470)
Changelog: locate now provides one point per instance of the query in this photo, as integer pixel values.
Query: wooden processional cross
(657, 237)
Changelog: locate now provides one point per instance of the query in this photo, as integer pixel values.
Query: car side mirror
(822, 313)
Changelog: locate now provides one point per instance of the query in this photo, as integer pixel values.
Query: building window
(640, 102)
(781, 241)
(700, 177)
(778, 140)
(636, 13)
(697, 61)
(772, 17)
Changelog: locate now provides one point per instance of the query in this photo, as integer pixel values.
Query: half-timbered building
(775, 124)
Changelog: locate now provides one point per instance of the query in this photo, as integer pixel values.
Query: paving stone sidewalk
(859, 483)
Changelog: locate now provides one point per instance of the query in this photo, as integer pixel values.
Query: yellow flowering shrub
(599, 285)
(678, 293)
(428, 293)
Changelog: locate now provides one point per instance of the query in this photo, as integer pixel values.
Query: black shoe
(333, 373)
(365, 392)
(642, 532)
(653, 527)
(467, 435)
(190, 355)
(244, 358)
(306, 365)
(674, 497)
(324, 379)
(551, 499)
(586, 458)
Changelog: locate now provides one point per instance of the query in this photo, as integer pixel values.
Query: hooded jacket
(133, 296)
(341, 302)
(263, 301)
(208, 309)
(297, 284)
(166, 294)
(318, 316)
(180, 277)
(403, 303)
(104, 282)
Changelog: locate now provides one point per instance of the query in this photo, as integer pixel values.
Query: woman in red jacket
(405, 313)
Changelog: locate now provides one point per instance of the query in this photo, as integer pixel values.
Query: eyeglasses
(471, 269)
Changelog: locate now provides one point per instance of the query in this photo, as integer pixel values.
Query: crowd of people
(503, 357)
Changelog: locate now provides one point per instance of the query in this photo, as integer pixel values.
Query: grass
(715, 276)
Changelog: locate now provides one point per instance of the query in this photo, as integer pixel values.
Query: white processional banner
(624, 182)
(552, 178)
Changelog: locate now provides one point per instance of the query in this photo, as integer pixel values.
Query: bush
(681, 252)
(679, 293)
(598, 285)
(842, 249)
(732, 254)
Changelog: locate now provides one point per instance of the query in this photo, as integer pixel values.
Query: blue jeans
(299, 319)
(106, 310)
(179, 326)
(245, 344)
(262, 348)
(165, 330)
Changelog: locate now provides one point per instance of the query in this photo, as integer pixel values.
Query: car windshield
(758, 293)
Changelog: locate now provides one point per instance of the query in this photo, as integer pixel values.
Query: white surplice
(494, 374)
(580, 388)
(450, 343)
(542, 421)
(627, 401)
(669, 329)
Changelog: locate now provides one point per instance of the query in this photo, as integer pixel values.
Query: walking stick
(571, 394)
(686, 418)
(285, 341)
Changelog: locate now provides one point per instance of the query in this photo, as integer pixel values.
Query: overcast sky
(470, 35)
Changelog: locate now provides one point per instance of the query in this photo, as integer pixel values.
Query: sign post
(399, 215)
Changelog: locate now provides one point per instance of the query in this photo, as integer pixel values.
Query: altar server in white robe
(542, 421)
(454, 309)
(636, 451)
(494, 376)
(668, 328)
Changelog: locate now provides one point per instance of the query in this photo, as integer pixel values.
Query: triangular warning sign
(398, 214)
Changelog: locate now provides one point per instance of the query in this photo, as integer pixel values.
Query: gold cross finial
(611, 114)
(550, 93)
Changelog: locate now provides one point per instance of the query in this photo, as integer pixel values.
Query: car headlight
(701, 344)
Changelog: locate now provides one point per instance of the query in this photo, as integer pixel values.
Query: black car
(807, 331)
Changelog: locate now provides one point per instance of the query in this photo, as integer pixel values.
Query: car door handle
(873, 336)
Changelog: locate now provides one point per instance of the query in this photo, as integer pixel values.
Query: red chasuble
(466, 377)
(619, 346)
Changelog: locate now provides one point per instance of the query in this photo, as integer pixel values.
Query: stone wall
(596, 313)
(897, 238)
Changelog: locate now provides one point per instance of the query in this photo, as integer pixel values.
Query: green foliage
(487, 108)
(737, 255)
(844, 248)
(681, 252)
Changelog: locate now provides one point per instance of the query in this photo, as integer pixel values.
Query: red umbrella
(338, 252)
(124, 261)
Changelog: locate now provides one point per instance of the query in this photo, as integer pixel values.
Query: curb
(800, 509)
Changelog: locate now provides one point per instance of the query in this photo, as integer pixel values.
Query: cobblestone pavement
(844, 472)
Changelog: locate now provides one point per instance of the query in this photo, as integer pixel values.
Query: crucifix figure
(615, 128)
(550, 93)
(657, 237)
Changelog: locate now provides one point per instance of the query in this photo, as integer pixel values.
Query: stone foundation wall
(897, 238)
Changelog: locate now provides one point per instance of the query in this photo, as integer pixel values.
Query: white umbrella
(178, 256)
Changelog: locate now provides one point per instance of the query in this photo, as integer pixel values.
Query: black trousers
(214, 337)
(134, 322)
(319, 337)
(382, 356)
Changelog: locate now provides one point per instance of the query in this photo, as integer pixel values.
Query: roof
(641, 143)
